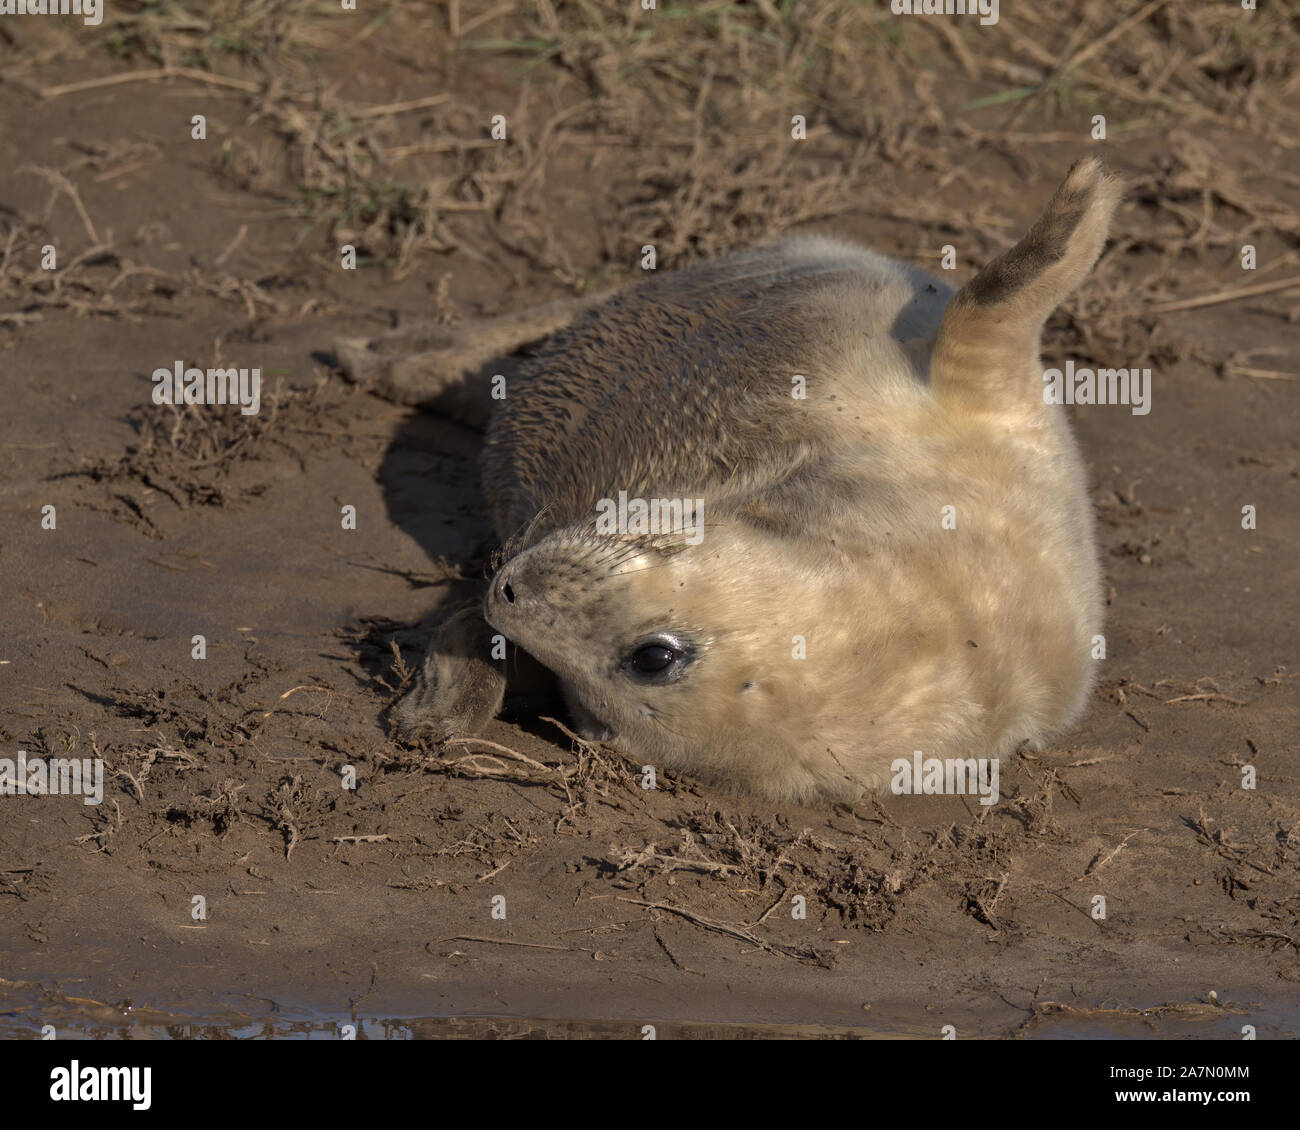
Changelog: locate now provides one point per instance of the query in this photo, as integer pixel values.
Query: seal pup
(896, 550)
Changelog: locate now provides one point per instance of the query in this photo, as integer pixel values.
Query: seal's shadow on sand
(433, 492)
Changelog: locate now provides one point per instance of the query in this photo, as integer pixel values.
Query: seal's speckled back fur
(683, 385)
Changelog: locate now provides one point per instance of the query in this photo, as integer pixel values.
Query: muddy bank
(323, 904)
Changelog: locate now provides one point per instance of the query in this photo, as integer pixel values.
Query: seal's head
(674, 648)
(777, 665)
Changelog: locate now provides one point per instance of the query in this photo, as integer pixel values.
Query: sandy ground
(622, 906)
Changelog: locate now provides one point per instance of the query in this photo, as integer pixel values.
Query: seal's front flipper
(460, 688)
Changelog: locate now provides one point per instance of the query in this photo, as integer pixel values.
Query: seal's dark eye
(657, 658)
(652, 658)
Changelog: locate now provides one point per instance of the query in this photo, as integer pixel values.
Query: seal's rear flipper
(449, 369)
(986, 354)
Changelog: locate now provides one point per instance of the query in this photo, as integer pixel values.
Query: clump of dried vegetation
(674, 128)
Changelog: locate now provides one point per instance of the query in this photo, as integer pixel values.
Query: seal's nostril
(508, 593)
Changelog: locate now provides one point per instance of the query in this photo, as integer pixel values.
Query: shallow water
(19, 1012)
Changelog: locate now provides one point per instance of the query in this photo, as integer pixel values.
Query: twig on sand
(401, 107)
(503, 750)
(1205, 698)
(799, 953)
(62, 184)
(1230, 295)
(150, 76)
(507, 942)
(294, 690)
(1099, 861)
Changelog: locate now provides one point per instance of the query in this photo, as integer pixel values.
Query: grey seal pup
(782, 518)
